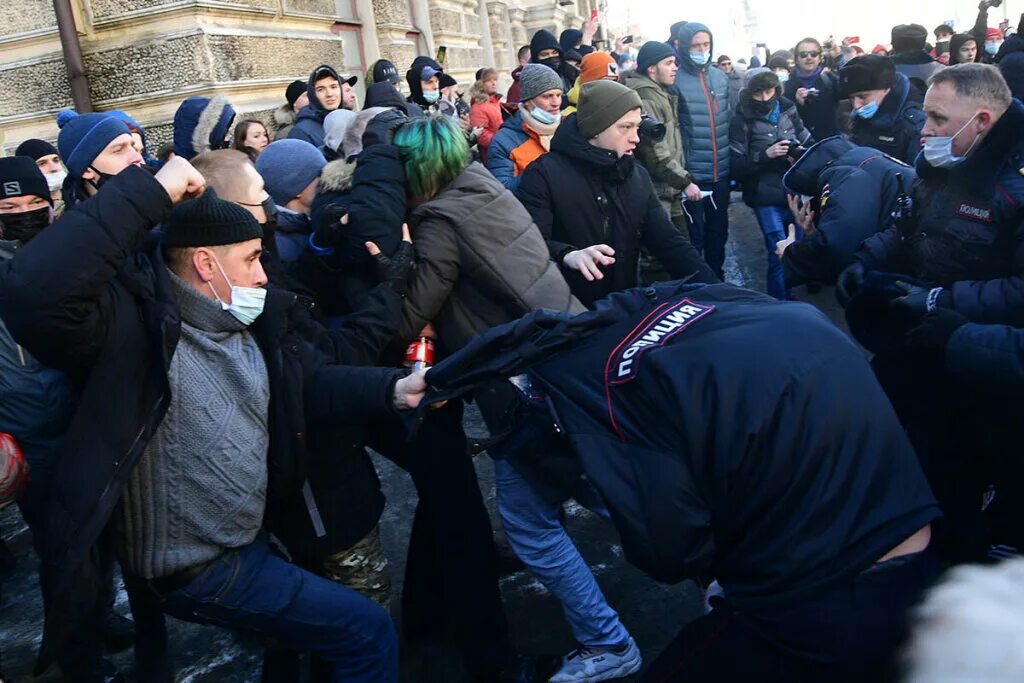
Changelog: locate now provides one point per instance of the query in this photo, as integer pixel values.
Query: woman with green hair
(482, 262)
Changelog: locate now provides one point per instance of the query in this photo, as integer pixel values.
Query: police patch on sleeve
(662, 324)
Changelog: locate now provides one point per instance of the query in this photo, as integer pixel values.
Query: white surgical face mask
(938, 151)
(56, 180)
(246, 302)
(543, 116)
(431, 96)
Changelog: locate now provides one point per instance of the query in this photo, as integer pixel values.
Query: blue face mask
(867, 111)
(542, 116)
(699, 58)
(431, 96)
(992, 48)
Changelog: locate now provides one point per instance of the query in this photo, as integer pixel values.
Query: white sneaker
(592, 664)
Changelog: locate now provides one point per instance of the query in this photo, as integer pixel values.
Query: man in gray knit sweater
(198, 385)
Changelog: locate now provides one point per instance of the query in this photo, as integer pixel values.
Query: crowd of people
(199, 344)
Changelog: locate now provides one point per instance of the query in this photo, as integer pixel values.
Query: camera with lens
(812, 93)
(651, 129)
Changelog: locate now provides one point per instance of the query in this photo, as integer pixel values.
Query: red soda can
(420, 354)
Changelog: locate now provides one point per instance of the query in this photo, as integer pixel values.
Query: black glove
(912, 306)
(396, 269)
(936, 329)
(849, 283)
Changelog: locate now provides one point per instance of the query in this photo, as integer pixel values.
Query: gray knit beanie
(536, 79)
(601, 104)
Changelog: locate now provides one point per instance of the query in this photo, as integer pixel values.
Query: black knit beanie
(209, 221)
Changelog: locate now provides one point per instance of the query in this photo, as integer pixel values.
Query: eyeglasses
(810, 53)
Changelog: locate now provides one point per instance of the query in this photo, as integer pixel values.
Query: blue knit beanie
(83, 137)
(287, 167)
(201, 124)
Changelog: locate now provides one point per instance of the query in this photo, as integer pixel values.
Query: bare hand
(180, 179)
(803, 216)
(780, 246)
(409, 391)
(779, 149)
(464, 123)
(801, 96)
(587, 261)
(477, 131)
(589, 30)
(692, 192)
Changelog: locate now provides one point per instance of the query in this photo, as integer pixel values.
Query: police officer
(852, 194)
(884, 114)
(962, 249)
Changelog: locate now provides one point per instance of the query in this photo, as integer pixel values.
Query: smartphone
(628, 39)
(442, 52)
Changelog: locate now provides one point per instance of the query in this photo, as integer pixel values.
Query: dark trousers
(451, 575)
(966, 437)
(251, 589)
(852, 633)
(709, 224)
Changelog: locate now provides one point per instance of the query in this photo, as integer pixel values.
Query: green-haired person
(482, 262)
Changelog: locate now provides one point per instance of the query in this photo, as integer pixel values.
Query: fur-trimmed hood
(201, 124)
(336, 176)
(284, 116)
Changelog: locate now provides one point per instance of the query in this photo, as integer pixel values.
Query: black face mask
(100, 180)
(765, 108)
(554, 63)
(22, 227)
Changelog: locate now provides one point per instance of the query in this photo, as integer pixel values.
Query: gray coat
(481, 262)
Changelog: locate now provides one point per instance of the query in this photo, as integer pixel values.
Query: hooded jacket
(309, 124)
(958, 41)
(967, 234)
(474, 272)
(486, 115)
(664, 160)
(414, 78)
(581, 195)
(109, 320)
(704, 113)
(896, 128)
(750, 136)
(720, 447)
(854, 190)
(513, 148)
(820, 113)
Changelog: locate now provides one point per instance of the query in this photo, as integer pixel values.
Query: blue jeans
(252, 590)
(709, 224)
(774, 222)
(539, 540)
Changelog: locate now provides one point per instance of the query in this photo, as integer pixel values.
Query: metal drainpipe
(73, 56)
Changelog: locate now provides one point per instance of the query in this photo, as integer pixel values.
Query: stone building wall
(145, 56)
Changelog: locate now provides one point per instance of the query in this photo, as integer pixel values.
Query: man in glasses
(735, 76)
(815, 89)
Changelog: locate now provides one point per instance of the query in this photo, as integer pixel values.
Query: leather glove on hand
(936, 329)
(917, 302)
(849, 283)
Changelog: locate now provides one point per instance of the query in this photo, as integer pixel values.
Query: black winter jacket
(750, 136)
(968, 228)
(896, 128)
(820, 112)
(108, 318)
(580, 195)
(854, 190)
(720, 448)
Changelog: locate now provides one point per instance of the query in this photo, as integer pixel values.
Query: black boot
(118, 631)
